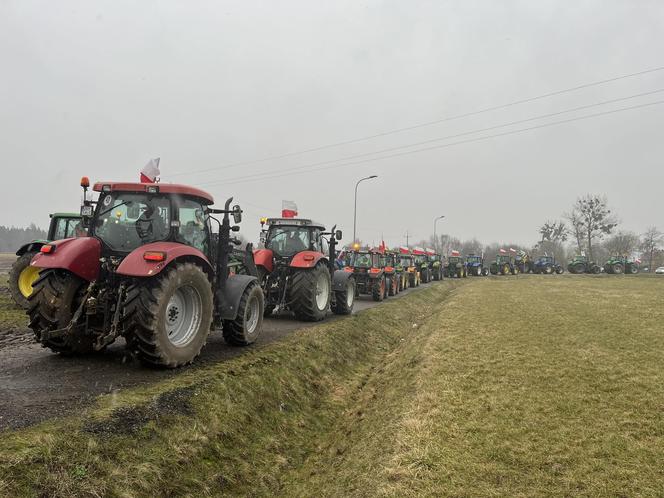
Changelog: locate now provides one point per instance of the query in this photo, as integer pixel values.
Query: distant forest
(11, 238)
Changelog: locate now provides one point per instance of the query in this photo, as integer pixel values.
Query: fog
(99, 88)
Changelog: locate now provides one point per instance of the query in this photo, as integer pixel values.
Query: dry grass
(527, 386)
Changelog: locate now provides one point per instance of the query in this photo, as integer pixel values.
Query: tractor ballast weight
(149, 271)
(22, 275)
(297, 273)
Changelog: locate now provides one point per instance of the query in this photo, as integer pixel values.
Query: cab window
(193, 229)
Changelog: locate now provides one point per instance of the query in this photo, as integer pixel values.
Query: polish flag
(430, 252)
(404, 250)
(513, 250)
(150, 173)
(455, 253)
(503, 251)
(288, 209)
(418, 251)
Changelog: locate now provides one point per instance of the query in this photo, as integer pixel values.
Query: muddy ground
(36, 384)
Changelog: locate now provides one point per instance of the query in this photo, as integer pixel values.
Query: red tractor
(368, 267)
(297, 270)
(151, 271)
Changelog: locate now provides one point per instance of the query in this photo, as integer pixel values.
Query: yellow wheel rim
(26, 279)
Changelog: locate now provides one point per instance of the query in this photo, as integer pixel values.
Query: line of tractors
(143, 262)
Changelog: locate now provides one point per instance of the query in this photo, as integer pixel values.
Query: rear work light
(47, 249)
(154, 256)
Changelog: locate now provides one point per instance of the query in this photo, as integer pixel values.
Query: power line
(460, 142)
(422, 125)
(415, 144)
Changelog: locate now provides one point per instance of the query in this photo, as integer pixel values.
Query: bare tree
(592, 220)
(576, 229)
(622, 244)
(553, 231)
(651, 242)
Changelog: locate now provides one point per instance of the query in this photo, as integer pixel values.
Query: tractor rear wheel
(344, 299)
(578, 268)
(378, 289)
(618, 269)
(247, 326)
(168, 318)
(310, 293)
(55, 298)
(21, 278)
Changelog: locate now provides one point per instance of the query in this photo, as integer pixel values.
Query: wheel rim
(183, 315)
(26, 278)
(350, 294)
(322, 292)
(252, 315)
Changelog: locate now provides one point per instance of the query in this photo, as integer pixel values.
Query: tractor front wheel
(247, 326)
(168, 318)
(344, 299)
(310, 293)
(21, 278)
(55, 298)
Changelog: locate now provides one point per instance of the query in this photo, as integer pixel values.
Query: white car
(660, 270)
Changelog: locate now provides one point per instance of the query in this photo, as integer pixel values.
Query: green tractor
(435, 264)
(422, 265)
(22, 275)
(504, 264)
(581, 264)
(617, 265)
(456, 266)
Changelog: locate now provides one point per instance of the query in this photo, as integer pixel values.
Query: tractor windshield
(361, 260)
(405, 260)
(288, 241)
(473, 259)
(503, 259)
(454, 259)
(545, 259)
(125, 221)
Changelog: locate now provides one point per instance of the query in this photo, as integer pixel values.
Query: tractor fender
(340, 279)
(228, 297)
(135, 265)
(33, 246)
(307, 259)
(79, 256)
(264, 258)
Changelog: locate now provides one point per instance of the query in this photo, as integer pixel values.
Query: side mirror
(237, 214)
(263, 238)
(337, 235)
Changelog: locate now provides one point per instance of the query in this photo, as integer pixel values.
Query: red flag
(288, 209)
(150, 173)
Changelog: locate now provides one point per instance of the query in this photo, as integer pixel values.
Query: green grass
(526, 386)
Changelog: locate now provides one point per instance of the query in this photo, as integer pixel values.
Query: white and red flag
(503, 251)
(288, 209)
(150, 173)
(404, 250)
(455, 253)
(512, 250)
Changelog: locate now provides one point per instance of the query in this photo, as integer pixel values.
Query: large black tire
(344, 300)
(378, 289)
(248, 324)
(168, 318)
(560, 270)
(306, 285)
(392, 289)
(618, 269)
(578, 268)
(55, 297)
(21, 276)
(633, 269)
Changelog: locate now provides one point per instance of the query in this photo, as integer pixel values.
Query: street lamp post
(355, 208)
(435, 238)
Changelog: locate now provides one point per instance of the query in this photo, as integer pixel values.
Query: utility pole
(435, 238)
(406, 238)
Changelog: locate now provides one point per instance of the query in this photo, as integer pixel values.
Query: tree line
(11, 238)
(589, 228)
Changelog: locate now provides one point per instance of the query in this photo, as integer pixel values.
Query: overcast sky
(99, 88)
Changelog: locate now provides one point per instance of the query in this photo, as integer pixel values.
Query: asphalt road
(36, 385)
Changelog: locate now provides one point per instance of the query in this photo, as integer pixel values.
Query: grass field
(526, 386)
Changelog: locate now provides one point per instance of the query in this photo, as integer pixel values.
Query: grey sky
(99, 88)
